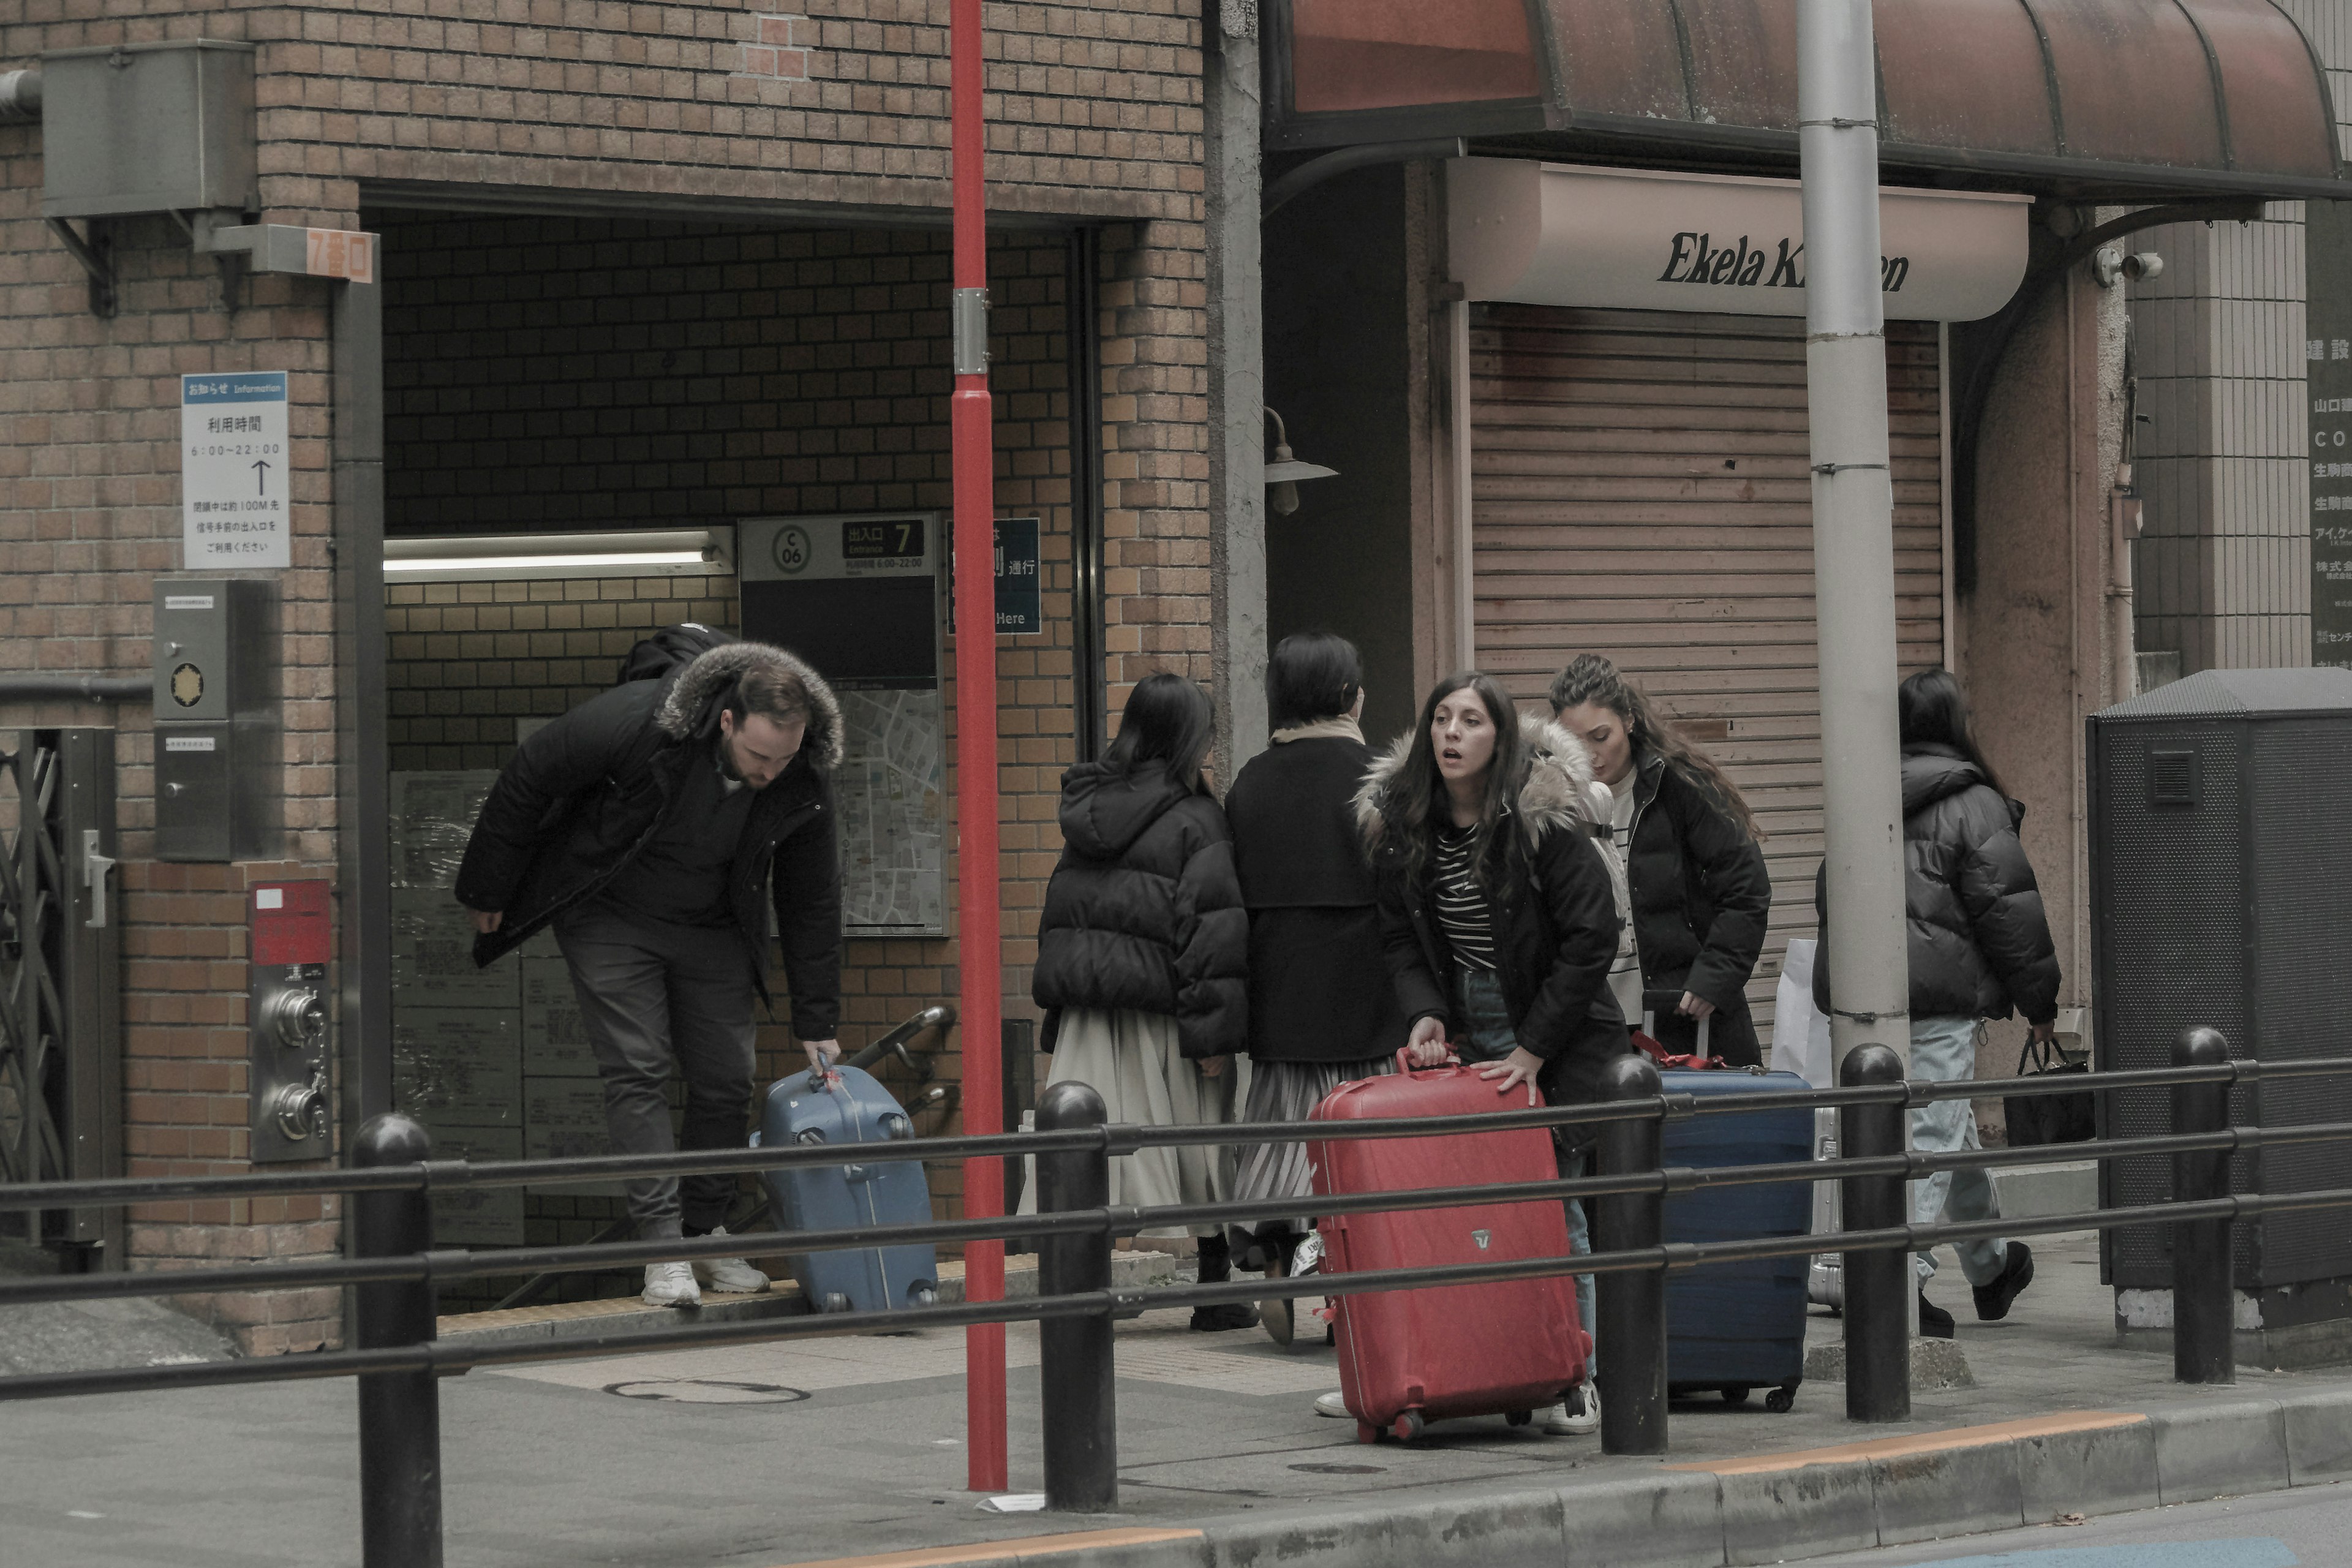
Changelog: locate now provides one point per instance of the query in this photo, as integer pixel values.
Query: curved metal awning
(2122, 99)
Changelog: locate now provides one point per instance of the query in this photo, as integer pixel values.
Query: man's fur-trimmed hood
(1559, 790)
(690, 707)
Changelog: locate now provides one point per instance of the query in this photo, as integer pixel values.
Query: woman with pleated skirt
(1140, 955)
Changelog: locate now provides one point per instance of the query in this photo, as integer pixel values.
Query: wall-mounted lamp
(1283, 471)
(664, 552)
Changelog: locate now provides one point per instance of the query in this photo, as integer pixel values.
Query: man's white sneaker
(730, 1274)
(1334, 1404)
(671, 1285)
(1564, 1420)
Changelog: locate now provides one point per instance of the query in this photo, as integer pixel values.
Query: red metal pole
(971, 430)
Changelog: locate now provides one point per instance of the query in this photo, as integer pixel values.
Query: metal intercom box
(2220, 814)
(148, 128)
(217, 779)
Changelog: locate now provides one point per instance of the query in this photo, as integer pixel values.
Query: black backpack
(669, 648)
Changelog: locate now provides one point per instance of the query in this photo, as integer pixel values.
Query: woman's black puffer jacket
(1979, 945)
(1144, 911)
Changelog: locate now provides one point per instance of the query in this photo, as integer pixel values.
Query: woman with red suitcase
(1498, 914)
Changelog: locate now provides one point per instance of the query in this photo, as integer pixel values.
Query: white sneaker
(671, 1285)
(730, 1274)
(1334, 1404)
(1562, 1421)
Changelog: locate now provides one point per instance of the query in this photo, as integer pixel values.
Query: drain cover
(1342, 1469)
(706, 1391)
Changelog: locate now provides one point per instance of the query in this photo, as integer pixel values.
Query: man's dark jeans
(657, 998)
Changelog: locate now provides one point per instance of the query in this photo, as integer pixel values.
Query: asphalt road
(2310, 1527)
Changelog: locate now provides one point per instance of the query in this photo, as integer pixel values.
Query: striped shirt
(1462, 912)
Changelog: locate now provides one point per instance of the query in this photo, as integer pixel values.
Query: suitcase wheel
(834, 1301)
(1736, 1395)
(1781, 1401)
(1520, 1417)
(1366, 1433)
(1407, 1426)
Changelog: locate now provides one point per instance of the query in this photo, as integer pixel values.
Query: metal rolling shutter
(1641, 490)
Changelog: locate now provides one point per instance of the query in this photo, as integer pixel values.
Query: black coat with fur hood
(581, 797)
(1144, 911)
(1554, 913)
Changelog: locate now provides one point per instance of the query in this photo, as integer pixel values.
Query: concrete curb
(1772, 1508)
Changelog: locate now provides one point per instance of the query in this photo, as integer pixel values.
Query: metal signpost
(979, 952)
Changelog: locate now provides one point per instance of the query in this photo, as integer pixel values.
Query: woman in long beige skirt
(1141, 956)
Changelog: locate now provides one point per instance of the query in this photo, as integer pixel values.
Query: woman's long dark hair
(1417, 803)
(1933, 710)
(1312, 675)
(1589, 677)
(1168, 722)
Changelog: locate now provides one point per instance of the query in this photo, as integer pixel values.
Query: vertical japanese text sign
(2327, 355)
(233, 478)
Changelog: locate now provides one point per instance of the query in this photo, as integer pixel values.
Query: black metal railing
(395, 1270)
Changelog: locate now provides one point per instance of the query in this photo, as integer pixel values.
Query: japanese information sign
(1019, 605)
(233, 470)
(2328, 367)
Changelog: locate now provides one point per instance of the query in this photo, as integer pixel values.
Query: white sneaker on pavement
(1335, 1404)
(730, 1274)
(671, 1285)
(1562, 1421)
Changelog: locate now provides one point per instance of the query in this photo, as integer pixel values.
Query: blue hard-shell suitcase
(854, 1108)
(1736, 1327)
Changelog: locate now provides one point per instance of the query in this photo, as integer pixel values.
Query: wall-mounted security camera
(2111, 264)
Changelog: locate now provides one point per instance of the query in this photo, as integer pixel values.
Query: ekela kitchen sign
(1548, 233)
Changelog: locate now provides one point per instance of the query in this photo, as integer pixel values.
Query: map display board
(889, 795)
(859, 597)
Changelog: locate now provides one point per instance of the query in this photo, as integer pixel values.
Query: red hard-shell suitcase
(1409, 1357)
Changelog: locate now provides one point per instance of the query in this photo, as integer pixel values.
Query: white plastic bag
(1800, 1035)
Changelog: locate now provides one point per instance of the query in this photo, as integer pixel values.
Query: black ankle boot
(1216, 1268)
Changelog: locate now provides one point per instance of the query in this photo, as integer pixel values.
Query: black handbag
(2036, 1119)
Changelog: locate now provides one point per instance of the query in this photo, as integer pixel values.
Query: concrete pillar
(1236, 387)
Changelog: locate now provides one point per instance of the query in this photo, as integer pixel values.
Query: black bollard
(1878, 1283)
(1629, 1340)
(2203, 1350)
(1076, 1372)
(400, 1411)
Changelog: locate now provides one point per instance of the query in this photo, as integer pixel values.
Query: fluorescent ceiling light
(680, 551)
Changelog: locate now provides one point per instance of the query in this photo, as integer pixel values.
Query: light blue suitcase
(854, 1108)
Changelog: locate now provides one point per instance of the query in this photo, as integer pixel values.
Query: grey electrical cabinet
(148, 128)
(2220, 811)
(218, 782)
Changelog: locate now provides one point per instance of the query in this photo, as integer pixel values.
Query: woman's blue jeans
(1488, 1036)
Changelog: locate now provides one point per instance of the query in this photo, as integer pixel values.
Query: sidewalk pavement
(751, 1456)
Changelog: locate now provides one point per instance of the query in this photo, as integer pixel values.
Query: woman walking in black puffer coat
(1142, 953)
(1979, 947)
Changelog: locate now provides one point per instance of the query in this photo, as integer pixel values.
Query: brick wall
(88, 516)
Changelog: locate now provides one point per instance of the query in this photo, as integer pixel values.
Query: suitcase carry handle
(1404, 1060)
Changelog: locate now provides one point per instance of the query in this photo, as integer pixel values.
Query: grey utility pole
(1853, 527)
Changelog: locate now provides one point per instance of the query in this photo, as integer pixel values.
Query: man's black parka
(582, 796)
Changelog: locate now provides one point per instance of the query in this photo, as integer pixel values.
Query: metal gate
(60, 981)
(1641, 490)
